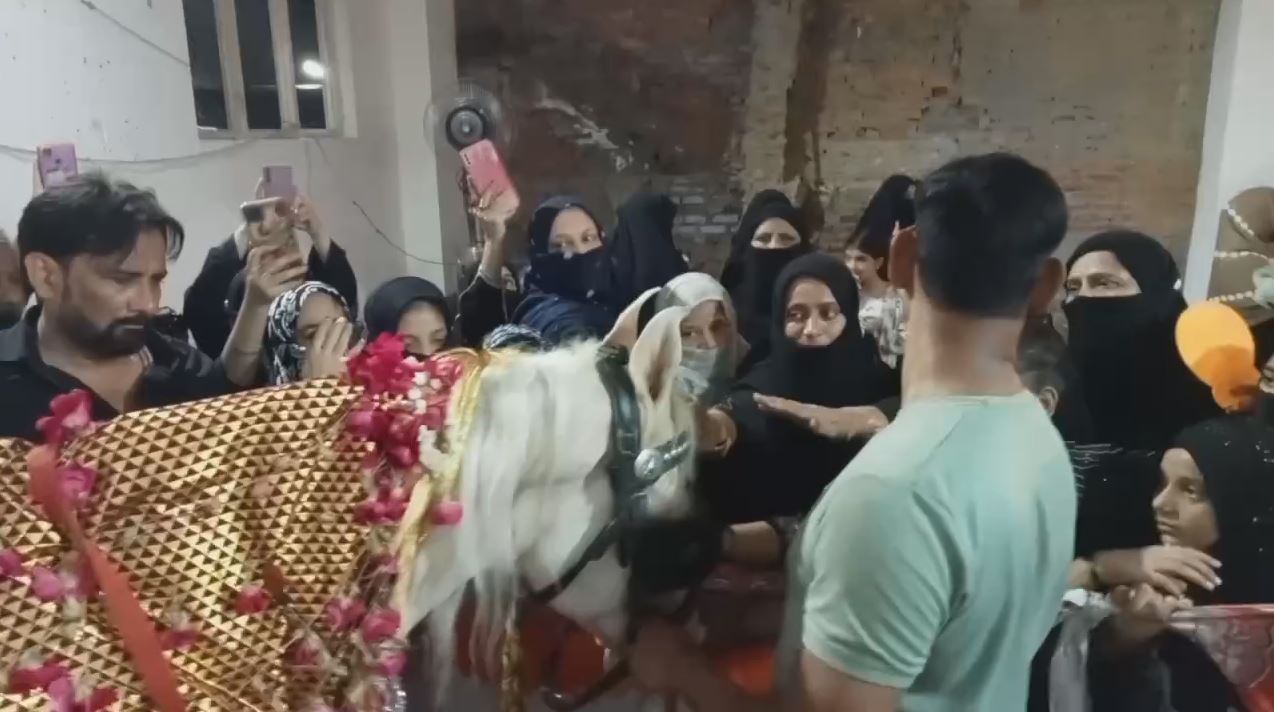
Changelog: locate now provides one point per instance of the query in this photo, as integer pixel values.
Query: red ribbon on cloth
(136, 630)
(1240, 640)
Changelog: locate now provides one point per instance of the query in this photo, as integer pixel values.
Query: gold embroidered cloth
(191, 502)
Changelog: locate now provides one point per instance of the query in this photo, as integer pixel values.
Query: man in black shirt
(95, 252)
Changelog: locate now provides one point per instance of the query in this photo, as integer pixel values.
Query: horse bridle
(632, 470)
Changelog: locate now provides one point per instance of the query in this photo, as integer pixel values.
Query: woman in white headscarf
(711, 346)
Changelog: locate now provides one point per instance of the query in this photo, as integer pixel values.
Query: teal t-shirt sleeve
(879, 582)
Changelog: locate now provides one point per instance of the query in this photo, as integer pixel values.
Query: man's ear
(903, 253)
(46, 276)
(1046, 287)
(1049, 398)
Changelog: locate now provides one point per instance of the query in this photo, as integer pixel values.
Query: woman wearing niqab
(777, 466)
(770, 235)
(1123, 301)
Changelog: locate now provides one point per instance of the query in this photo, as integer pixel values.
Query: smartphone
(277, 182)
(57, 164)
(486, 171)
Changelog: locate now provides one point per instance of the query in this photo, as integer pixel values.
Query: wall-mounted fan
(464, 114)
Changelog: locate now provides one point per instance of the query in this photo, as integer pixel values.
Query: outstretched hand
(837, 423)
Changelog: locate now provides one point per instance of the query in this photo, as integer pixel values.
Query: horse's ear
(654, 358)
(628, 325)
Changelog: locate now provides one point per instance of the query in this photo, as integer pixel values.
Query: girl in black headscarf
(640, 251)
(1217, 496)
(775, 464)
(1123, 301)
(412, 307)
(770, 235)
(567, 295)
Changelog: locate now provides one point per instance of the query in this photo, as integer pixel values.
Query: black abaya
(778, 467)
(1139, 392)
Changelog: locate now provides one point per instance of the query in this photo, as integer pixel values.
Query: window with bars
(262, 67)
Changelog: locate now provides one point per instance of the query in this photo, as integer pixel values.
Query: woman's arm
(270, 272)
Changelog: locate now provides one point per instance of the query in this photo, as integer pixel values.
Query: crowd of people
(939, 426)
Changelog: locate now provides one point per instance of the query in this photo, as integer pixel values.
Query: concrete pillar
(1239, 129)
(422, 60)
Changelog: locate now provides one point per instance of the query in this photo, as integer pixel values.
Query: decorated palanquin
(230, 554)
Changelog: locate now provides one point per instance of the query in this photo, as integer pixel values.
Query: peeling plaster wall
(729, 96)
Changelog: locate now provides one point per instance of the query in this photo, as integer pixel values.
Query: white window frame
(285, 74)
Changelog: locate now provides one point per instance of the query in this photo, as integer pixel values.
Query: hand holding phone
(269, 222)
(487, 175)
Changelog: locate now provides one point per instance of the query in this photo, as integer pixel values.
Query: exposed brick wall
(714, 99)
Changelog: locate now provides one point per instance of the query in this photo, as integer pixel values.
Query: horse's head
(537, 486)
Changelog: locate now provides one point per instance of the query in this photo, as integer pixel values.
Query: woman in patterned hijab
(308, 333)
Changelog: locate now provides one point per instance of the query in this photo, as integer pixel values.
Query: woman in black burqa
(1139, 392)
(1217, 496)
(776, 465)
(762, 246)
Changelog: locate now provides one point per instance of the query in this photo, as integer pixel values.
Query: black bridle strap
(604, 540)
(625, 443)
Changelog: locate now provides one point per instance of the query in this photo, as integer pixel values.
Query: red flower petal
(343, 613)
(380, 625)
(47, 585)
(251, 599)
(446, 513)
(11, 563)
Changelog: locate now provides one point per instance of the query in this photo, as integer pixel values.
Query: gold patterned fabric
(192, 503)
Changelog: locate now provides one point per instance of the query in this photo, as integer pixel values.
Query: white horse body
(535, 491)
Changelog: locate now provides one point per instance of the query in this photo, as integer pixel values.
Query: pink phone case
(486, 171)
(57, 164)
(278, 182)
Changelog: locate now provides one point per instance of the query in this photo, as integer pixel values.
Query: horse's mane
(540, 430)
(529, 406)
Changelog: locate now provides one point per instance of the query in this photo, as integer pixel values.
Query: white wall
(1238, 141)
(68, 73)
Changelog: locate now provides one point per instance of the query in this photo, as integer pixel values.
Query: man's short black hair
(1042, 361)
(985, 225)
(94, 215)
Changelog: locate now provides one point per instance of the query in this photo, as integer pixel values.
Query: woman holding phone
(267, 222)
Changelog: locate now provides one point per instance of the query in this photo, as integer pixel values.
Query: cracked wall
(713, 99)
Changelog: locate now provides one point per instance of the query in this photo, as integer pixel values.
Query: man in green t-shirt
(933, 566)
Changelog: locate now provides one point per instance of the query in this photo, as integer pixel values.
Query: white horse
(535, 492)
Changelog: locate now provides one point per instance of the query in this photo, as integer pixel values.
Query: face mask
(576, 277)
(701, 374)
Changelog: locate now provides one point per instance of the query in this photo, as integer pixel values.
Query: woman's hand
(1142, 613)
(325, 357)
(271, 271)
(836, 423)
(493, 211)
(717, 431)
(1169, 569)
